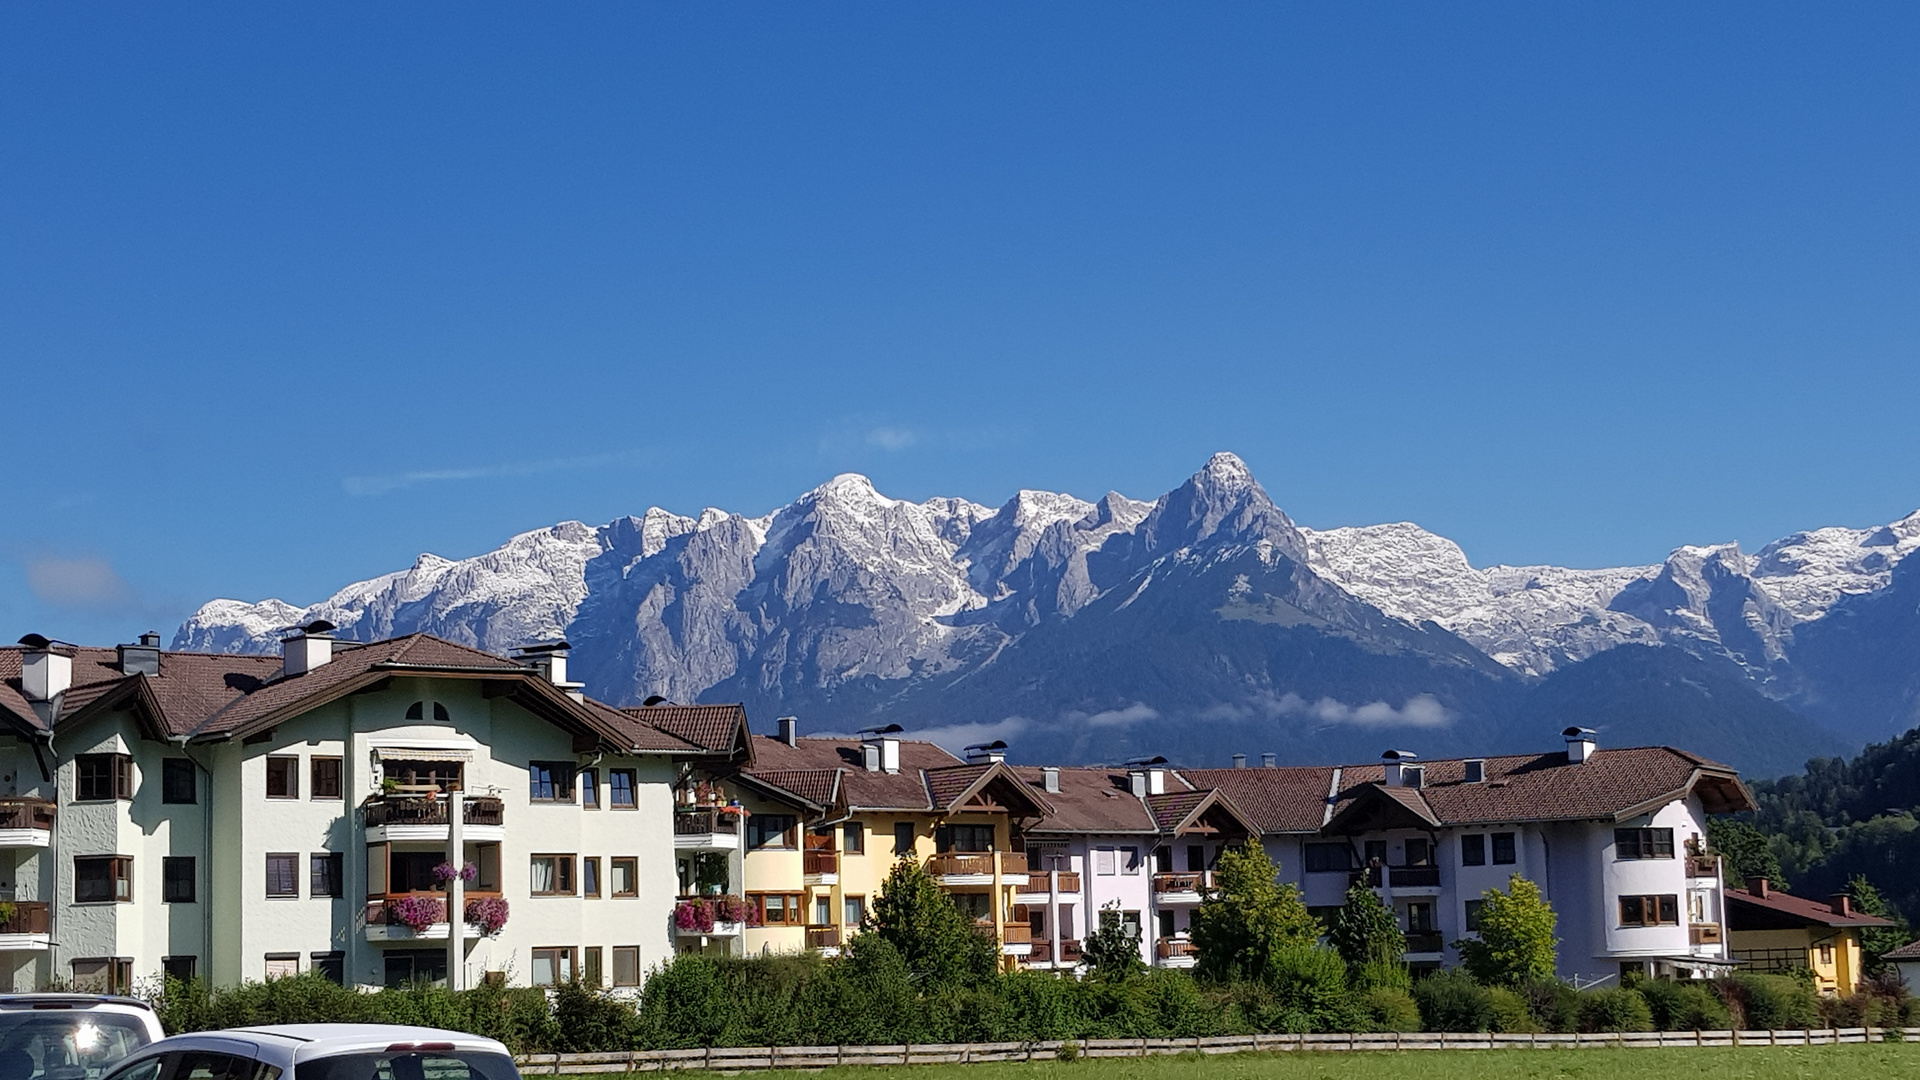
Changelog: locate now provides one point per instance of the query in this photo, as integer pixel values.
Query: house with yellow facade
(1774, 931)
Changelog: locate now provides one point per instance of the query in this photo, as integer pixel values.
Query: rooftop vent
(142, 658)
(46, 667)
(550, 659)
(1147, 777)
(1581, 744)
(1398, 765)
(1239, 761)
(1268, 761)
(1050, 779)
(308, 647)
(1758, 886)
(879, 750)
(789, 730)
(981, 753)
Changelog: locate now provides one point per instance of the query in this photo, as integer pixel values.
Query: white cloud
(1132, 714)
(957, 737)
(381, 485)
(82, 582)
(892, 438)
(1420, 710)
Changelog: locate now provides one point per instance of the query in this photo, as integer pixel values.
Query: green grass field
(1870, 1062)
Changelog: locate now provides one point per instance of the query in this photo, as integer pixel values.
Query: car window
(444, 1065)
(209, 1065)
(142, 1070)
(66, 1044)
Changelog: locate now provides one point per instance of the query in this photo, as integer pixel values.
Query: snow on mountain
(1808, 571)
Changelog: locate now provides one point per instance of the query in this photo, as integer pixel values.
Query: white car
(321, 1052)
(71, 1036)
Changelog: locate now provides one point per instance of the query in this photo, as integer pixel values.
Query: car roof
(316, 1040)
(70, 1001)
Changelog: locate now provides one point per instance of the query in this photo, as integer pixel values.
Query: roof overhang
(1214, 805)
(1377, 806)
(769, 790)
(1016, 794)
(1720, 791)
(133, 694)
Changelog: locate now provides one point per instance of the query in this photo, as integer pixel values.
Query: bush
(1555, 1005)
(1451, 1001)
(1614, 1008)
(1507, 1011)
(1391, 1009)
(1685, 1005)
(1771, 1001)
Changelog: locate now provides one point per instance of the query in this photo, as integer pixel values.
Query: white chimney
(308, 647)
(1239, 761)
(1137, 783)
(890, 755)
(1050, 778)
(1400, 768)
(1582, 743)
(46, 667)
(550, 659)
(790, 730)
(879, 750)
(1267, 761)
(870, 756)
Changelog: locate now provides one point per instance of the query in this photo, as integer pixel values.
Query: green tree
(1249, 917)
(1365, 931)
(1112, 952)
(1516, 941)
(1877, 941)
(938, 942)
(1748, 852)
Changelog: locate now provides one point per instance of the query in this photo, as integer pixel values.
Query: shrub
(1311, 981)
(1507, 1011)
(588, 1020)
(1452, 1001)
(1772, 1001)
(1391, 1009)
(1614, 1008)
(1555, 1005)
(1381, 974)
(1685, 1005)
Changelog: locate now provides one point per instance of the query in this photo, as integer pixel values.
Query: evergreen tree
(1877, 941)
(938, 942)
(1746, 850)
(1516, 943)
(1112, 952)
(1368, 937)
(1249, 918)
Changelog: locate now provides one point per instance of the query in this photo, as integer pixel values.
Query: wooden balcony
(1043, 954)
(25, 822)
(705, 828)
(978, 868)
(1704, 933)
(28, 917)
(1426, 941)
(1174, 953)
(383, 925)
(1413, 877)
(823, 937)
(392, 818)
(1703, 866)
(1181, 889)
(821, 867)
(1043, 885)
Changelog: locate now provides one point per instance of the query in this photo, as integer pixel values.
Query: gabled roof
(1909, 951)
(905, 790)
(1285, 800)
(953, 787)
(1374, 807)
(1778, 910)
(1090, 800)
(720, 729)
(817, 790)
(1177, 813)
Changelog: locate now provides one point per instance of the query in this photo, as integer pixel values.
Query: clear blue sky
(290, 293)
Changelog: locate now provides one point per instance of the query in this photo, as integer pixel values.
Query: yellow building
(1773, 931)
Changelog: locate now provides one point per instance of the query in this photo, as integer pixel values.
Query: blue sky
(289, 294)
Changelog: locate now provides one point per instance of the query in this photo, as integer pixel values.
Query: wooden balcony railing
(1401, 877)
(1704, 933)
(1426, 941)
(1193, 882)
(705, 823)
(1013, 862)
(480, 810)
(1016, 933)
(1703, 866)
(823, 937)
(26, 814)
(820, 862)
(1043, 951)
(955, 863)
(1168, 948)
(1069, 950)
(1066, 881)
(29, 917)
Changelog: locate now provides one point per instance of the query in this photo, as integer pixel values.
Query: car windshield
(65, 1044)
(411, 1065)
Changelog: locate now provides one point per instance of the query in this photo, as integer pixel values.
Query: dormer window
(418, 711)
(1476, 771)
(1413, 775)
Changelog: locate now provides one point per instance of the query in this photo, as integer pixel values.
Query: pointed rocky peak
(1222, 503)
(1117, 510)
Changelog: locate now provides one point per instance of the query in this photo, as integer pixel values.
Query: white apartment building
(239, 817)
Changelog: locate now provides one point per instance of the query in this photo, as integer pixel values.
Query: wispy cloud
(957, 737)
(1133, 714)
(85, 582)
(1418, 711)
(892, 438)
(854, 438)
(380, 485)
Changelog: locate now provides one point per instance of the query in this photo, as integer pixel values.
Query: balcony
(711, 916)
(1181, 890)
(1704, 933)
(824, 940)
(977, 868)
(1413, 880)
(25, 823)
(385, 924)
(1703, 866)
(1425, 943)
(1016, 939)
(821, 867)
(27, 927)
(706, 829)
(1174, 953)
(1043, 954)
(407, 820)
(1043, 886)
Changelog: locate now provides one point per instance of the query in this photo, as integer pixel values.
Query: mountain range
(1199, 624)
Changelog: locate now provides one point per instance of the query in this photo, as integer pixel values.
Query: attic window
(1413, 775)
(418, 711)
(1476, 772)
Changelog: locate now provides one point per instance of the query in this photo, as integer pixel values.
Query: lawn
(1855, 1062)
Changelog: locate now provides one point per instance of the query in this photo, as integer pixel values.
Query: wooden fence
(733, 1058)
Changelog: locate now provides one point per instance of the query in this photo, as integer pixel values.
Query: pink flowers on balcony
(446, 872)
(489, 914)
(700, 914)
(417, 913)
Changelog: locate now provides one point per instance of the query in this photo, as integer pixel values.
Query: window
(771, 830)
(282, 964)
(967, 839)
(331, 966)
(1643, 843)
(1165, 929)
(99, 777)
(102, 879)
(324, 874)
(1419, 853)
(853, 910)
(1650, 910)
(822, 910)
(103, 974)
(1826, 956)
(1376, 852)
(1473, 849)
(590, 788)
(552, 966)
(324, 773)
(177, 879)
(620, 789)
(1130, 860)
(590, 876)
(1474, 771)
(178, 784)
(1103, 861)
(405, 967)
(1328, 858)
(1163, 860)
(1413, 775)
(779, 909)
(1504, 853)
(1037, 922)
(550, 781)
(590, 971)
(1473, 915)
(903, 838)
(283, 776)
(1196, 858)
(552, 875)
(418, 711)
(853, 838)
(626, 965)
(283, 874)
(623, 876)
(179, 967)
(1419, 918)
(410, 871)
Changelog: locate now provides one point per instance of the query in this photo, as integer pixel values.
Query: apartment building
(339, 808)
(1614, 838)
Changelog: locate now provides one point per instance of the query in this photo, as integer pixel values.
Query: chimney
(1050, 779)
(308, 647)
(870, 756)
(790, 730)
(46, 667)
(550, 659)
(1581, 744)
(143, 658)
(879, 750)
(1758, 887)
(982, 753)
(1842, 905)
(1145, 776)
(1239, 761)
(1268, 761)
(1400, 768)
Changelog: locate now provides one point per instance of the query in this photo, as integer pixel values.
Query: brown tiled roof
(949, 785)
(863, 790)
(1090, 800)
(1287, 800)
(1797, 908)
(710, 727)
(818, 786)
(639, 734)
(1172, 808)
(1909, 951)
